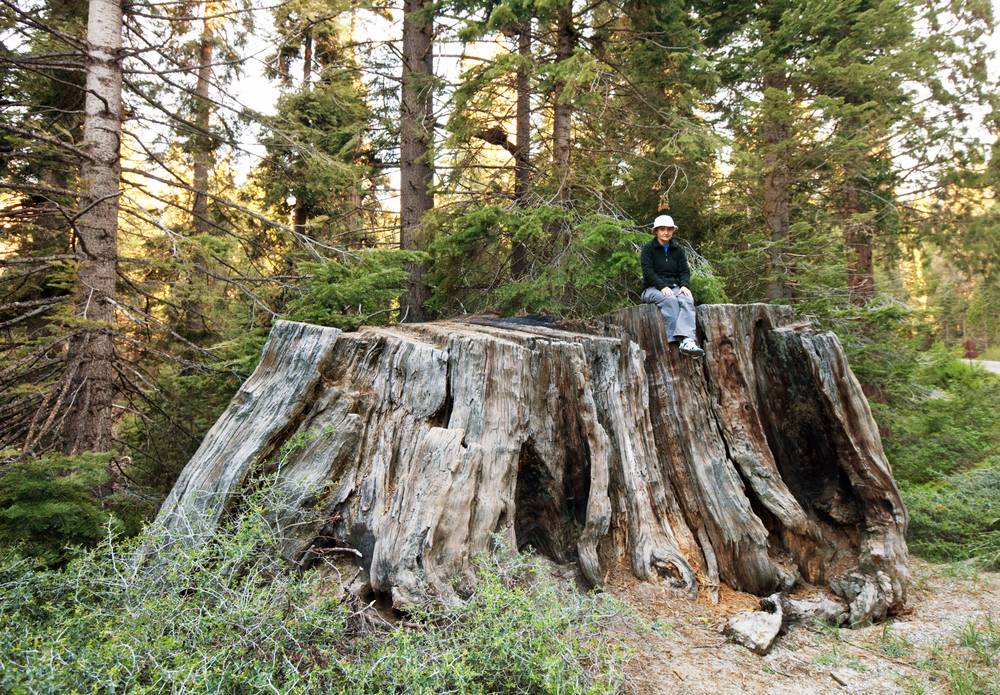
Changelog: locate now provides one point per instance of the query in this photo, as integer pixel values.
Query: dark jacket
(664, 269)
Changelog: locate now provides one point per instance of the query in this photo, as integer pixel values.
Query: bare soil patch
(932, 648)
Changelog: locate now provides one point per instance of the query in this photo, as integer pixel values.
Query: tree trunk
(416, 139)
(204, 154)
(562, 108)
(191, 288)
(301, 214)
(777, 176)
(420, 446)
(300, 218)
(307, 58)
(522, 147)
(858, 243)
(85, 395)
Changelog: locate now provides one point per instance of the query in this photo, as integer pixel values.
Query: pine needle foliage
(581, 264)
(940, 424)
(47, 504)
(957, 517)
(359, 289)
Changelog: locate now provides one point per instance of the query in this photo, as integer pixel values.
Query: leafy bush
(229, 617)
(48, 504)
(958, 517)
(940, 423)
(943, 443)
(362, 289)
(953, 425)
(706, 286)
(577, 264)
(517, 633)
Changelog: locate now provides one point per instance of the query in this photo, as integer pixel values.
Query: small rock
(757, 630)
(868, 596)
(812, 608)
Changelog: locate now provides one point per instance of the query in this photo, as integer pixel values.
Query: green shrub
(707, 287)
(360, 289)
(958, 517)
(229, 617)
(516, 634)
(49, 503)
(943, 444)
(940, 423)
(577, 264)
(951, 426)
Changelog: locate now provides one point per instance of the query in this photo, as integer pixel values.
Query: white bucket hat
(664, 221)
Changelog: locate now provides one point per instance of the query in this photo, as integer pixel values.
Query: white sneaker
(690, 347)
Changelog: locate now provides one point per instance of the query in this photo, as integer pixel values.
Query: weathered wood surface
(422, 445)
(259, 418)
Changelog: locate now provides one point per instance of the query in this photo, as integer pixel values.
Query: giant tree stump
(422, 445)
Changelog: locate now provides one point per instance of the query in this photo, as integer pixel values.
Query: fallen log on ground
(419, 446)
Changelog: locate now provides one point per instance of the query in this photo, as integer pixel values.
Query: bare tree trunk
(598, 443)
(522, 147)
(85, 396)
(301, 211)
(858, 240)
(301, 218)
(416, 140)
(562, 110)
(777, 177)
(307, 58)
(204, 154)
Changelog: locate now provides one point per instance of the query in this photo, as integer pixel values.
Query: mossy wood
(417, 446)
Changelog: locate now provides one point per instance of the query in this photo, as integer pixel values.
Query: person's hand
(685, 292)
(667, 291)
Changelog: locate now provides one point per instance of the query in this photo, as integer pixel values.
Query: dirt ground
(679, 647)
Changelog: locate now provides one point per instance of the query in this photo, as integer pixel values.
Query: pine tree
(826, 118)
(416, 141)
(85, 395)
(203, 144)
(42, 117)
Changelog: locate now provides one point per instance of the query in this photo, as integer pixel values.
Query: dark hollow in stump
(420, 446)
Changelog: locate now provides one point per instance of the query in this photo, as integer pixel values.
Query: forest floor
(948, 641)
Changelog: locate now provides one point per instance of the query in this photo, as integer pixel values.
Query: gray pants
(677, 310)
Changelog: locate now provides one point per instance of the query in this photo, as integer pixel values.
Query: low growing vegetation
(228, 616)
(945, 450)
(966, 663)
(48, 503)
(940, 422)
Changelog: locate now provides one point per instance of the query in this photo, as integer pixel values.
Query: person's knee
(667, 299)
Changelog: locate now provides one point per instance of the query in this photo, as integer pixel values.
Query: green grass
(983, 640)
(965, 664)
(893, 645)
